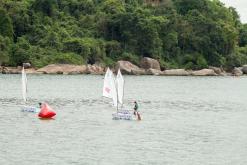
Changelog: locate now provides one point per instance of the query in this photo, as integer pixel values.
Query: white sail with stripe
(107, 84)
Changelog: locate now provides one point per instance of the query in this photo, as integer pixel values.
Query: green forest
(190, 34)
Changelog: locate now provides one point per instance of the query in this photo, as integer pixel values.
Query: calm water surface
(186, 121)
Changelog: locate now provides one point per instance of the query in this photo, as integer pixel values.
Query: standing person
(136, 113)
(40, 105)
(135, 108)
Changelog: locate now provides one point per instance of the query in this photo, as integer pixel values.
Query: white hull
(30, 109)
(123, 115)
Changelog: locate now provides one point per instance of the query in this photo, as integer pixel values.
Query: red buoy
(46, 111)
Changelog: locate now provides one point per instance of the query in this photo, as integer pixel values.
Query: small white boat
(114, 89)
(122, 116)
(30, 109)
(24, 94)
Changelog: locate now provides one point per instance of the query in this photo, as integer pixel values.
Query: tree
(243, 36)
(47, 7)
(184, 6)
(20, 52)
(6, 28)
(113, 6)
(4, 49)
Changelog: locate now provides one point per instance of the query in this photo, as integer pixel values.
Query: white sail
(120, 86)
(24, 84)
(107, 84)
(114, 91)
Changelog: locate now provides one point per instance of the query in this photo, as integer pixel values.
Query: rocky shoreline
(148, 66)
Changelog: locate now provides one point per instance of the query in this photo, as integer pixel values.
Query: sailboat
(114, 88)
(121, 114)
(24, 93)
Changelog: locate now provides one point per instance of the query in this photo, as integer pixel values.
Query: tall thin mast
(116, 85)
(123, 94)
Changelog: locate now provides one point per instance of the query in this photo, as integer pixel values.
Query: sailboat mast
(24, 84)
(117, 92)
(123, 93)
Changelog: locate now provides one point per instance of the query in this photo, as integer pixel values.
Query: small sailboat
(24, 93)
(114, 89)
(121, 114)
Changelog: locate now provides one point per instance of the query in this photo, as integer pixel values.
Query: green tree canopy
(179, 33)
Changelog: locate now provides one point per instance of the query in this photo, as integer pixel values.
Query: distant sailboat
(114, 88)
(24, 93)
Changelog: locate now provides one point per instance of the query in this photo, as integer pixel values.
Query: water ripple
(186, 120)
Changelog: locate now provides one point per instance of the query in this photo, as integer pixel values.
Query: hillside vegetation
(191, 34)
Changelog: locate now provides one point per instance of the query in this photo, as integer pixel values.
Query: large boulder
(11, 70)
(216, 70)
(5, 70)
(149, 63)
(153, 72)
(63, 69)
(176, 72)
(127, 67)
(237, 72)
(27, 65)
(244, 69)
(32, 71)
(95, 69)
(204, 72)
(223, 74)
(138, 72)
(14, 70)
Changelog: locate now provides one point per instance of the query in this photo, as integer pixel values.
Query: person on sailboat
(135, 108)
(136, 113)
(40, 105)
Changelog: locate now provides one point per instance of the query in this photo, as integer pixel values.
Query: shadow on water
(46, 119)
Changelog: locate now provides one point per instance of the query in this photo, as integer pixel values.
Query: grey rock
(176, 72)
(244, 69)
(63, 69)
(153, 72)
(237, 72)
(149, 63)
(204, 72)
(127, 67)
(27, 65)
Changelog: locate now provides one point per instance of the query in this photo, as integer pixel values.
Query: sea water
(186, 121)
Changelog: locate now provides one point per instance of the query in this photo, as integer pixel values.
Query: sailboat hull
(30, 109)
(126, 115)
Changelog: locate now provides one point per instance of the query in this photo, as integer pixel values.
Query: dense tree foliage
(191, 34)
